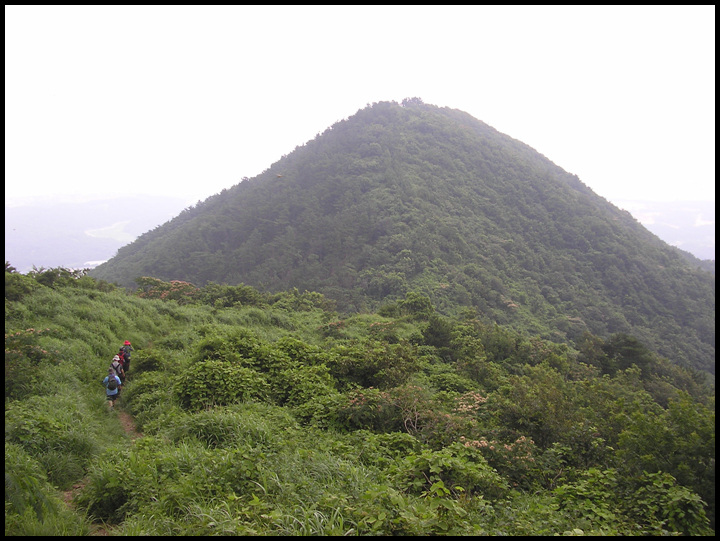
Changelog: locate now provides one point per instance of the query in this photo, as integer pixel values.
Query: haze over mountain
(403, 198)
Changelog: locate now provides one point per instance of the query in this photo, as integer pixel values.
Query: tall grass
(32, 505)
(63, 431)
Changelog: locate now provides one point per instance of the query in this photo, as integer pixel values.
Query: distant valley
(688, 225)
(79, 234)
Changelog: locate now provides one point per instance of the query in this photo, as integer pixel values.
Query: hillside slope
(413, 197)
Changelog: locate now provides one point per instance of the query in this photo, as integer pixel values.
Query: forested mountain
(411, 197)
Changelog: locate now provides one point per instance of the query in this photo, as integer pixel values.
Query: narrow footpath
(128, 424)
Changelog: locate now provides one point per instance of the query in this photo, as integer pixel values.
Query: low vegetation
(271, 414)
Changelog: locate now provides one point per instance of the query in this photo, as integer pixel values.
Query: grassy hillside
(274, 415)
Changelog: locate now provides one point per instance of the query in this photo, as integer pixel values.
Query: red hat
(127, 342)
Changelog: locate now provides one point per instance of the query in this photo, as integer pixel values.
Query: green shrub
(222, 427)
(172, 343)
(226, 343)
(381, 450)
(318, 411)
(369, 409)
(323, 411)
(658, 504)
(149, 360)
(373, 364)
(150, 397)
(217, 383)
(25, 358)
(19, 286)
(450, 381)
(376, 434)
(267, 358)
(300, 351)
(150, 387)
(405, 408)
(653, 504)
(299, 384)
(383, 510)
(461, 469)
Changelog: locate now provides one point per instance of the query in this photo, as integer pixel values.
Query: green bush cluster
(471, 429)
(218, 383)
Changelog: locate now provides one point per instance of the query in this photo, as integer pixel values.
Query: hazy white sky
(187, 100)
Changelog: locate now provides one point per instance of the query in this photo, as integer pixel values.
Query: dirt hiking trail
(128, 424)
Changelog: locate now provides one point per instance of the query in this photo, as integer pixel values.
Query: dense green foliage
(274, 415)
(416, 198)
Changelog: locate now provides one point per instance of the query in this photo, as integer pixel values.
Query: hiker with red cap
(127, 349)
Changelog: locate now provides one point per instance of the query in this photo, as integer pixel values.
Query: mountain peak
(414, 197)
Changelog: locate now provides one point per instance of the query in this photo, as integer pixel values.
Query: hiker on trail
(117, 366)
(112, 385)
(127, 350)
